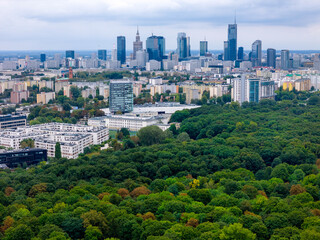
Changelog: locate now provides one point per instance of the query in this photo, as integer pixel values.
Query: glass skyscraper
(285, 59)
(271, 57)
(256, 54)
(240, 53)
(102, 54)
(232, 39)
(155, 47)
(203, 48)
(121, 49)
(70, 54)
(42, 57)
(183, 45)
(121, 96)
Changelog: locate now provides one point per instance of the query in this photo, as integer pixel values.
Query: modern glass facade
(256, 54)
(203, 48)
(121, 96)
(42, 57)
(155, 47)
(240, 53)
(70, 54)
(232, 39)
(254, 90)
(121, 49)
(102, 54)
(285, 59)
(29, 156)
(271, 57)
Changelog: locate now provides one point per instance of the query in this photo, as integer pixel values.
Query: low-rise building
(12, 121)
(73, 138)
(116, 122)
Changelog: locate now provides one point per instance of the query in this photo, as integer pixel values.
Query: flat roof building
(121, 96)
(15, 158)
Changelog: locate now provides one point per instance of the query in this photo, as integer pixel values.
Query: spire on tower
(235, 16)
(137, 30)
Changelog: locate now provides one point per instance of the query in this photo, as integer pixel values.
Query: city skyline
(83, 25)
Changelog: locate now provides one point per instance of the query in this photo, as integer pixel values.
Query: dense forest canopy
(229, 172)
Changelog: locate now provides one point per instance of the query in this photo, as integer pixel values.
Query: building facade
(121, 96)
(121, 49)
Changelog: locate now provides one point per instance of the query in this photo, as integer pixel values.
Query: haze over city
(90, 25)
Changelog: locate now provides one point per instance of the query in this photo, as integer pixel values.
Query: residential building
(17, 97)
(45, 97)
(73, 138)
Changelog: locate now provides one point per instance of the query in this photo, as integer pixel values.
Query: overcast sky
(95, 24)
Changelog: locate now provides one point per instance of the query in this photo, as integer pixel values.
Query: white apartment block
(74, 138)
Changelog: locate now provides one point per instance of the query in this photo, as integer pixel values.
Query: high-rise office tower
(183, 45)
(42, 57)
(253, 90)
(256, 53)
(137, 45)
(271, 57)
(70, 54)
(121, 49)
(203, 48)
(102, 54)
(232, 39)
(121, 96)
(155, 47)
(285, 59)
(240, 53)
(226, 51)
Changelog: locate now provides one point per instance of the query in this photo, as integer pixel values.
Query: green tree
(27, 143)
(57, 152)
(150, 135)
(20, 232)
(236, 232)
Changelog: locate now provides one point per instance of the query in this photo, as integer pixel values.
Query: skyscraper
(232, 39)
(155, 47)
(285, 59)
(256, 53)
(240, 53)
(70, 54)
(226, 52)
(121, 96)
(183, 45)
(121, 49)
(203, 48)
(42, 57)
(271, 57)
(137, 45)
(102, 54)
